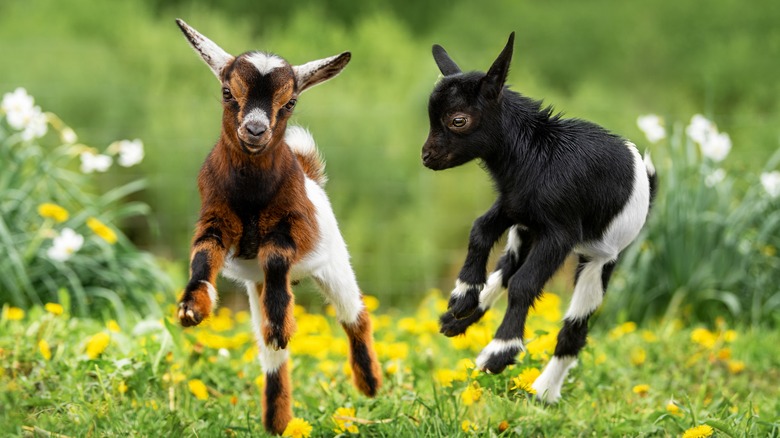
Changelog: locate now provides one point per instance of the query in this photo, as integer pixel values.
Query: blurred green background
(116, 70)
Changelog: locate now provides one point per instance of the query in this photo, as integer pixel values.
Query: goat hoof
(188, 314)
(450, 326)
(494, 358)
(465, 305)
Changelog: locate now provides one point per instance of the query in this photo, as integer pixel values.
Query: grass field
(80, 377)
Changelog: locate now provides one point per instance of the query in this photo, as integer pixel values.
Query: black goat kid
(564, 185)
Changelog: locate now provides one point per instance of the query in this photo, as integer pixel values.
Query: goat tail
(652, 176)
(301, 142)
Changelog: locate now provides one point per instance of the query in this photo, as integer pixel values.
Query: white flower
(68, 136)
(700, 128)
(17, 106)
(65, 245)
(771, 183)
(714, 178)
(717, 146)
(35, 124)
(130, 152)
(652, 126)
(92, 162)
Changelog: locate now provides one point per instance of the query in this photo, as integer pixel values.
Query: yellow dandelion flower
(673, 409)
(600, 359)
(649, 336)
(174, 377)
(543, 346)
(297, 428)
(242, 316)
(102, 230)
(54, 308)
(53, 211)
(724, 354)
(345, 424)
(525, 379)
(641, 389)
(622, 329)
(467, 426)
(198, 389)
(371, 302)
(113, 326)
(638, 356)
(734, 409)
(471, 394)
(122, 388)
(548, 307)
(97, 344)
(444, 377)
(702, 431)
(704, 337)
(736, 366)
(730, 336)
(14, 314)
(43, 346)
(391, 367)
(260, 381)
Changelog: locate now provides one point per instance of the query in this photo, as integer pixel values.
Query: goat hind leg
(590, 284)
(337, 282)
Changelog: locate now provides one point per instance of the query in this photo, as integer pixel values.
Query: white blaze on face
(265, 64)
(257, 115)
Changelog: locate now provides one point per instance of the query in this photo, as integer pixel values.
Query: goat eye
(459, 122)
(291, 104)
(226, 94)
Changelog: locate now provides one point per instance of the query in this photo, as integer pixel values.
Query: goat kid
(564, 186)
(265, 219)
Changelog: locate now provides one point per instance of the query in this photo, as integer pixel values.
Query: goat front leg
(517, 247)
(488, 228)
(546, 255)
(276, 297)
(206, 260)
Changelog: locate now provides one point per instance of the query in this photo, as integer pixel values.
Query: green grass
(74, 395)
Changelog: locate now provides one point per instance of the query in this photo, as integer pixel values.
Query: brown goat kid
(265, 219)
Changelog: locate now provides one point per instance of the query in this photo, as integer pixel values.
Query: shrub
(57, 233)
(710, 246)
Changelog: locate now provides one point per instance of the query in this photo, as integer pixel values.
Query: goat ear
(215, 57)
(313, 72)
(446, 65)
(493, 82)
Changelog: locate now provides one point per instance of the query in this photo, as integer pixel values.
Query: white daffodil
(771, 183)
(130, 152)
(716, 147)
(652, 126)
(715, 178)
(65, 244)
(700, 128)
(92, 162)
(35, 124)
(17, 107)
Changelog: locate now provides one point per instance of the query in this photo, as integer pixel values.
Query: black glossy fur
(561, 181)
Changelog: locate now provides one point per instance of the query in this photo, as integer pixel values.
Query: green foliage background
(122, 70)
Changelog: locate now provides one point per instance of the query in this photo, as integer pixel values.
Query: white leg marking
(513, 241)
(588, 293)
(212, 294)
(548, 384)
(492, 291)
(461, 288)
(497, 346)
(265, 63)
(270, 359)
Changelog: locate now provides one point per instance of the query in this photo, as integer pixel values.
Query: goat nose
(426, 155)
(255, 128)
